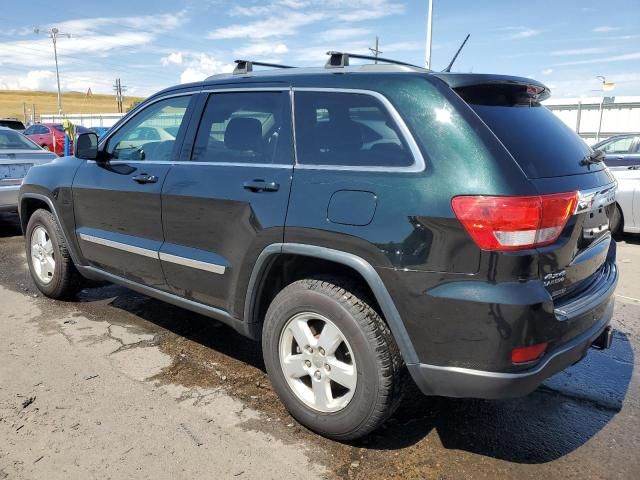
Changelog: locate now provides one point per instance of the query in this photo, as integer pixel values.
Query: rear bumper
(9, 197)
(465, 382)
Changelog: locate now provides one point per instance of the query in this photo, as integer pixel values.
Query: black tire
(380, 370)
(66, 280)
(617, 222)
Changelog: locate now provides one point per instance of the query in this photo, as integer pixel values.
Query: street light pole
(427, 59)
(54, 33)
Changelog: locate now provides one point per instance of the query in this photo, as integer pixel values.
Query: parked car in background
(17, 155)
(100, 131)
(620, 151)
(49, 136)
(626, 218)
(13, 124)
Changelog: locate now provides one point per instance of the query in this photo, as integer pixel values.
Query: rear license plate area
(12, 174)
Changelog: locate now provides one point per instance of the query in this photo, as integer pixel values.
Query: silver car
(17, 155)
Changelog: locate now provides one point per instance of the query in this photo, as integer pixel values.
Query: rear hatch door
(553, 157)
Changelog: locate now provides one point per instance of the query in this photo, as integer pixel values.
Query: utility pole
(376, 51)
(119, 89)
(427, 58)
(54, 33)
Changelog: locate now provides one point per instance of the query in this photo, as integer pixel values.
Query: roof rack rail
(246, 66)
(341, 59)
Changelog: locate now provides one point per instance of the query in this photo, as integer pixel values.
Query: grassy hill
(47, 102)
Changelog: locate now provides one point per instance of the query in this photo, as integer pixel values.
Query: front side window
(622, 145)
(150, 134)
(347, 129)
(245, 127)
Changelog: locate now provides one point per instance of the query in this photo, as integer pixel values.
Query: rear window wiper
(597, 156)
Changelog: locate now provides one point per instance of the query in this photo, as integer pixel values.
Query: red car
(49, 136)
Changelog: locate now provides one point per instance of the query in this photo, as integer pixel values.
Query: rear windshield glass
(10, 140)
(14, 124)
(539, 141)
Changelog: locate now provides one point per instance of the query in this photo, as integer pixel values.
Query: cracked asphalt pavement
(118, 385)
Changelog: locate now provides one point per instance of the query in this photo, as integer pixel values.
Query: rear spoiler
(478, 87)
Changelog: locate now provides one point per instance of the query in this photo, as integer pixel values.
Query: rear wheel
(49, 261)
(331, 358)
(46, 147)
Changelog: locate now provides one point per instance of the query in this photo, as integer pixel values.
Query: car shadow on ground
(630, 238)
(556, 419)
(9, 225)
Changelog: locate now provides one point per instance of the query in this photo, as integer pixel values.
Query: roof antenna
(448, 69)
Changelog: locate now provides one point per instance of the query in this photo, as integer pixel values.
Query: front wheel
(617, 223)
(331, 358)
(49, 261)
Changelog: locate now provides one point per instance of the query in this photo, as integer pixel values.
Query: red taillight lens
(527, 354)
(514, 223)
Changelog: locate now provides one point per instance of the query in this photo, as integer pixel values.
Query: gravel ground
(119, 385)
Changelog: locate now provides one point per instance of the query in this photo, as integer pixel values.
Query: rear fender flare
(364, 268)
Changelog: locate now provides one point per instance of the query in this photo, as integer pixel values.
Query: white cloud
(286, 17)
(518, 32)
(202, 66)
(604, 60)
(260, 49)
(604, 29)
(337, 34)
(174, 58)
(287, 24)
(33, 80)
(547, 71)
(580, 51)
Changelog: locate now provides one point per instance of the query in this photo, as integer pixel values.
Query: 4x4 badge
(554, 278)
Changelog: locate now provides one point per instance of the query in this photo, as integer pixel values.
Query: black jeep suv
(360, 221)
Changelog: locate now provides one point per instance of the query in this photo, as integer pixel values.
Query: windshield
(10, 140)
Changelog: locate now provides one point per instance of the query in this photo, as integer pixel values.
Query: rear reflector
(527, 354)
(514, 223)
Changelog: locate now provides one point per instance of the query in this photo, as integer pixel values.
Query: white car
(17, 155)
(627, 215)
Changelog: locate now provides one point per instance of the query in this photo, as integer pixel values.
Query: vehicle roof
(319, 74)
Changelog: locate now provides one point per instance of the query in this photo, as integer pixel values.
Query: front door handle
(261, 186)
(144, 178)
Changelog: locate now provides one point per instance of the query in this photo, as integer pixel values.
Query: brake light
(527, 354)
(514, 223)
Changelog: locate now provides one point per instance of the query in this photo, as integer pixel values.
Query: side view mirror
(86, 147)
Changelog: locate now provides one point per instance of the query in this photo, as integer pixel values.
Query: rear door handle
(261, 186)
(144, 178)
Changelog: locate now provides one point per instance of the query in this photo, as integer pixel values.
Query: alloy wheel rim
(317, 362)
(42, 256)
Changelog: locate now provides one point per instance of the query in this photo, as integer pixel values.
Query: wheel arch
(29, 202)
(265, 271)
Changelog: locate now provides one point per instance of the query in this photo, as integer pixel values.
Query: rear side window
(347, 129)
(245, 127)
(539, 141)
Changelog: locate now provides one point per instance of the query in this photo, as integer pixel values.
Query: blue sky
(152, 44)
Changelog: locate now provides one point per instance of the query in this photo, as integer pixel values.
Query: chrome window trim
(188, 262)
(418, 160)
(246, 89)
(177, 162)
(145, 252)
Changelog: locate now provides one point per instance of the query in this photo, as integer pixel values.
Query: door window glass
(150, 134)
(245, 127)
(351, 129)
(622, 145)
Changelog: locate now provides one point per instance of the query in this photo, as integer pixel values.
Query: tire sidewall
(43, 220)
(363, 403)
